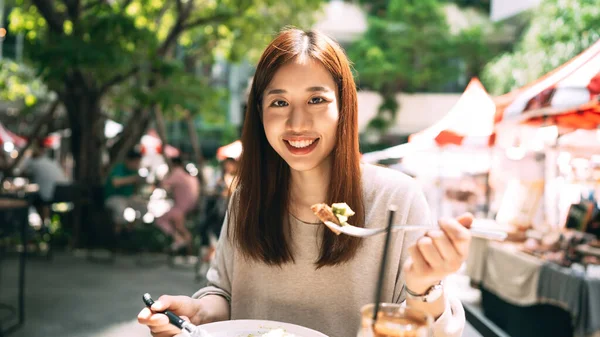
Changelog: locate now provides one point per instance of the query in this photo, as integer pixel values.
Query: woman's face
(300, 114)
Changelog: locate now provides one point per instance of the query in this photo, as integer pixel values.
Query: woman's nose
(299, 120)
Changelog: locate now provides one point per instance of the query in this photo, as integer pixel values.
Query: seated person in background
(185, 190)
(225, 187)
(46, 173)
(120, 189)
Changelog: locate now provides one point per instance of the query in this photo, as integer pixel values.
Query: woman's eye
(316, 100)
(279, 104)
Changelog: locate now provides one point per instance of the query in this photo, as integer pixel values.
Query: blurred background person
(216, 213)
(120, 192)
(46, 173)
(229, 168)
(185, 190)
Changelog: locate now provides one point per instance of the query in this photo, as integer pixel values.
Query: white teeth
(301, 143)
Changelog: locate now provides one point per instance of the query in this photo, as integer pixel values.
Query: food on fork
(342, 211)
(338, 213)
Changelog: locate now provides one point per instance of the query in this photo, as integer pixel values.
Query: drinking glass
(395, 320)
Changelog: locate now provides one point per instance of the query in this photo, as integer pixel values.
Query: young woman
(274, 259)
(185, 190)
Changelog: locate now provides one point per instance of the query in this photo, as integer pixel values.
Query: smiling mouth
(300, 144)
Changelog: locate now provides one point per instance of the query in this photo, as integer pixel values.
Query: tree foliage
(124, 43)
(408, 47)
(19, 84)
(129, 56)
(134, 58)
(558, 31)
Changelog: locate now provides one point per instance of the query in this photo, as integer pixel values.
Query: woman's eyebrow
(317, 89)
(309, 89)
(276, 92)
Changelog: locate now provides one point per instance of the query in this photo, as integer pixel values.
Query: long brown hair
(261, 203)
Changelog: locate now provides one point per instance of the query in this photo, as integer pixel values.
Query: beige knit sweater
(329, 299)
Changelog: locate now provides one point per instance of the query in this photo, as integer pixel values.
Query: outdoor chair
(13, 223)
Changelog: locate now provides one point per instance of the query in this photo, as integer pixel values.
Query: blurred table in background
(528, 296)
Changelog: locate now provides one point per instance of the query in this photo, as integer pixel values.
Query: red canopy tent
(7, 137)
(586, 117)
(470, 123)
(565, 97)
(233, 150)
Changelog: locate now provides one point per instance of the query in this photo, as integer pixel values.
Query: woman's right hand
(210, 308)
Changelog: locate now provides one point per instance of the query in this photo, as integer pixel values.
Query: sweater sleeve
(221, 269)
(452, 321)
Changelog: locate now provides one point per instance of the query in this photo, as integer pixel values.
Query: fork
(360, 232)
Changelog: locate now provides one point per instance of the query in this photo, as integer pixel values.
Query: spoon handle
(482, 233)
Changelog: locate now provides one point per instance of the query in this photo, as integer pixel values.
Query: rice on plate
(275, 333)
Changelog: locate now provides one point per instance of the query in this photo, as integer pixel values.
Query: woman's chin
(301, 166)
(306, 164)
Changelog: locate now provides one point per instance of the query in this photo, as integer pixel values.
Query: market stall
(452, 157)
(567, 87)
(549, 270)
(521, 291)
(474, 106)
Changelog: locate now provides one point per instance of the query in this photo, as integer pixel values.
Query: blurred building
(506, 9)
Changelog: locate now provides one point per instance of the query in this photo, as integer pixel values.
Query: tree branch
(118, 79)
(92, 4)
(53, 19)
(132, 132)
(181, 26)
(35, 133)
(98, 3)
(73, 8)
(125, 4)
(162, 12)
(210, 20)
(170, 40)
(183, 12)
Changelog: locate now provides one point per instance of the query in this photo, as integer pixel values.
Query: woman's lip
(299, 139)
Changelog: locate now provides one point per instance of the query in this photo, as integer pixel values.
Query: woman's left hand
(438, 253)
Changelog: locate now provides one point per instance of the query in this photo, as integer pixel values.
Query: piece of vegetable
(342, 211)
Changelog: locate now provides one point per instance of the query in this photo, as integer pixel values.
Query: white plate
(243, 328)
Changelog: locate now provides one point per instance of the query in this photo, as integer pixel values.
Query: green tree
(139, 58)
(29, 95)
(19, 84)
(407, 48)
(421, 46)
(558, 31)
